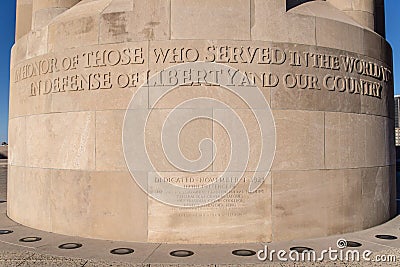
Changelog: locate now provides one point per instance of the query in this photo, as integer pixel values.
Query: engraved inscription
(113, 68)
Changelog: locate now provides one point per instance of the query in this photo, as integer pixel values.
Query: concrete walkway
(23, 246)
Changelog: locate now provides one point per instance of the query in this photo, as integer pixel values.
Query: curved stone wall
(327, 79)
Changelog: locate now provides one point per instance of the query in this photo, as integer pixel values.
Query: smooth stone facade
(334, 166)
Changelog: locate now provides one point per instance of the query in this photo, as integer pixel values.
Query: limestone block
(362, 11)
(365, 19)
(352, 200)
(37, 43)
(109, 152)
(333, 34)
(43, 4)
(300, 137)
(128, 204)
(28, 190)
(23, 18)
(364, 5)
(355, 140)
(376, 208)
(210, 19)
(342, 4)
(137, 21)
(19, 51)
(378, 106)
(392, 191)
(345, 140)
(324, 10)
(375, 141)
(44, 11)
(237, 216)
(78, 26)
(119, 6)
(114, 27)
(224, 144)
(83, 30)
(307, 204)
(59, 150)
(25, 104)
(274, 25)
(17, 131)
(185, 93)
(390, 149)
(70, 202)
(43, 17)
(189, 138)
(372, 44)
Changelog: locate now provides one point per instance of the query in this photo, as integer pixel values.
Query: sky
(7, 30)
(7, 23)
(392, 10)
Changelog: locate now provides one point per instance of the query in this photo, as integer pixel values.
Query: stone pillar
(380, 17)
(326, 79)
(24, 18)
(43, 11)
(362, 11)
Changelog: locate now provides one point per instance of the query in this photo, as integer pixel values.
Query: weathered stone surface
(17, 130)
(300, 142)
(23, 18)
(210, 20)
(28, 190)
(376, 183)
(87, 85)
(190, 137)
(109, 156)
(125, 21)
(315, 203)
(37, 43)
(345, 140)
(43, 17)
(50, 144)
(238, 215)
(270, 22)
(76, 27)
(330, 33)
(129, 204)
(361, 11)
(323, 10)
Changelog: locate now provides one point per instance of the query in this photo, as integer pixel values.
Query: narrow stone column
(362, 11)
(43, 11)
(24, 18)
(380, 17)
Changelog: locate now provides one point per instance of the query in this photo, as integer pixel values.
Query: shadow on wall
(3, 152)
(293, 3)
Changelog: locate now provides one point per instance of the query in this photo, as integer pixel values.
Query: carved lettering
(250, 55)
(104, 58)
(111, 67)
(301, 81)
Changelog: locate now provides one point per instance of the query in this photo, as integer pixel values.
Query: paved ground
(46, 252)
